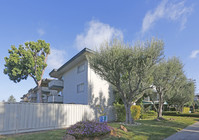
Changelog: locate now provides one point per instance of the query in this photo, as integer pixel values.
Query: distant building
(48, 95)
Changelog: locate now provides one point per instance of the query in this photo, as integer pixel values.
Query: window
(80, 68)
(80, 88)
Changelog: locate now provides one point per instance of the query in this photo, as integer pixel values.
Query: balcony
(32, 95)
(45, 90)
(55, 99)
(56, 85)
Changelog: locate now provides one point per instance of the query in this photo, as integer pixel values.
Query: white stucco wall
(71, 79)
(96, 90)
(99, 90)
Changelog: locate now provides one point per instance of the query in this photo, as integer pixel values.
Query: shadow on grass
(153, 129)
(44, 135)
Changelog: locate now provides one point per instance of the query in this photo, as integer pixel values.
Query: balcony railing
(55, 99)
(56, 84)
(32, 96)
(45, 89)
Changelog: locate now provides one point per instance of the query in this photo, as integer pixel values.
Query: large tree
(165, 77)
(183, 94)
(128, 68)
(28, 60)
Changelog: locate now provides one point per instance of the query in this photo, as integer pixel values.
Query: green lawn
(45, 135)
(151, 129)
(148, 130)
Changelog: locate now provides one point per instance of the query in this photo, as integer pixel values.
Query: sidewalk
(189, 133)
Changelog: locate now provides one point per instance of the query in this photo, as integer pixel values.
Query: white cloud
(41, 32)
(95, 34)
(56, 58)
(194, 53)
(167, 10)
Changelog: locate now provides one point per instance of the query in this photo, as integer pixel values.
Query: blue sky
(69, 26)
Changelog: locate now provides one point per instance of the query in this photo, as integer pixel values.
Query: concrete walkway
(189, 133)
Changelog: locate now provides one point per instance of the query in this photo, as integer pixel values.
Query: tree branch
(34, 79)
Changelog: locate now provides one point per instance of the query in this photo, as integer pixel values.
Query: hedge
(174, 113)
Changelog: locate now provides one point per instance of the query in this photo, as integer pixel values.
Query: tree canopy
(182, 94)
(128, 68)
(28, 60)
(11, 99)
(166, 75)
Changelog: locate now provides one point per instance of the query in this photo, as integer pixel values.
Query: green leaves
(128, 68)
(27, 60)
(183, 93)
(167, 73)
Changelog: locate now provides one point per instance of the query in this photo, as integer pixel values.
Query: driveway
(189, 133)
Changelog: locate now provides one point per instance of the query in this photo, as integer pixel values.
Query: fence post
(17, 116)
(54, 114)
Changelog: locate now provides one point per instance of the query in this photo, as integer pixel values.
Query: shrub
(151, 113)
(120, 112)
(88, 129)
(196, 110)
(174, 113)
(135, 111)
(148, 114)
(189, 115)
(144, 116)
(172, 109)
(170, 113)
(186, 110)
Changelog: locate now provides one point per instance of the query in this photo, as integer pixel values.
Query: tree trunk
(39, 91)
(161, 102)
(39, 82)
(40, 94)
(181, 108)
(154, 106)
(129, 119)
(193, 107)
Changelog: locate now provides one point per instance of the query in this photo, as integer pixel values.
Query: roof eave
(56, 72)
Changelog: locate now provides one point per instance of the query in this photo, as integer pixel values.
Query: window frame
(78, 86)
(80, 66)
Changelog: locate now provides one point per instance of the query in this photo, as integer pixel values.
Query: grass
(44, 135)
(149, 129)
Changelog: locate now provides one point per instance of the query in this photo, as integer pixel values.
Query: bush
(120, 112)
(172, 109)
(170, 113)
(144, 116)
(151, 113)
(186, 110)
(196, 110)
(148, 114)
(88, 129)
(135, 111)
(189, 114)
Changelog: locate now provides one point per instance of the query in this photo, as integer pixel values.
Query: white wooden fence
(27, 117)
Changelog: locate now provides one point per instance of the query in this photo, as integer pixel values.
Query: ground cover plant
(149, 129)
(88, 129)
